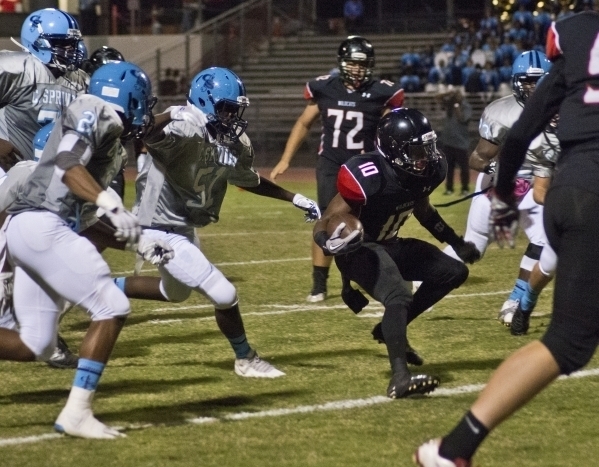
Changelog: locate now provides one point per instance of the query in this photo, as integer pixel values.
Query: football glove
(154, 251)
(307, 205)
(503, 222)
(336, 245)
(466, 251)
(126, 224)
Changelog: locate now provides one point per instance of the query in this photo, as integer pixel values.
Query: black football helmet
(406, 139)
(100, 57)
(355, 50)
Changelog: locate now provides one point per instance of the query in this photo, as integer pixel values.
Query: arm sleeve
(539, 109)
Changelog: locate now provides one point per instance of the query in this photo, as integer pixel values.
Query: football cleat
(400, 386)
(83, 424)
(62, 357)
(254, 367)
(412, 356)
(316, 297)
(427, 455)
(506, 314)
(520, 323)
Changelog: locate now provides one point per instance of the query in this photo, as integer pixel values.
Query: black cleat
(520, 323)
(412, 356)
(62, 357)
(401, 387)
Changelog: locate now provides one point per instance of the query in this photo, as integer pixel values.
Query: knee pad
(571, 343)
(458, 273)
(110, 302)
(41, 344)
(219, 290)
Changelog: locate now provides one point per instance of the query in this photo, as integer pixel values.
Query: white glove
(154, 251)
(189, 113)
(307, 205)
(340, 246)
(126, 224)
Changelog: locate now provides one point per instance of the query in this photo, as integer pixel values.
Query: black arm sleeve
(538, 111)
(439, 229)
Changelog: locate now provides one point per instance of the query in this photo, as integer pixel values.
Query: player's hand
(188, 113)
(503, 222)
(307, 205)
(126, 225)
(154, 251)
(336, 245)
(280, 168)
(466, 251)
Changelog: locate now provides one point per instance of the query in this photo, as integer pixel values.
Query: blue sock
(120, 282)
(88, 374)
(529, 300)
(241, 346)
(519, 289)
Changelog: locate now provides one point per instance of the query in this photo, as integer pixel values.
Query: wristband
(108, 202)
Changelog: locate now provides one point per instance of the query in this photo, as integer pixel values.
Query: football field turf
(170, 383)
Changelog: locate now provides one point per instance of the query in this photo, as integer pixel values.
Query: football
(351, 223)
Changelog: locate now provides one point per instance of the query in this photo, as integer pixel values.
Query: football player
(182, 187)
(349, 105)
(383, 189)
(51, 262)
(498, 117)
(570, 217)
(36, 85)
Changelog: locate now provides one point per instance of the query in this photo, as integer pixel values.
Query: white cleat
(318, 297)
(254, 367)
(83, 424)
(506, 314)
(427, 455)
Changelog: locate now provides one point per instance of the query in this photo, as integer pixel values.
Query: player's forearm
(271, 190)
(102, 236)
(296, 138)
(81, 183)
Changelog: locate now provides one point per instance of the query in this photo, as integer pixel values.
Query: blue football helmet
(53, 36)
(40, 139)
(128, 90)
(220, 94)
(527, 69)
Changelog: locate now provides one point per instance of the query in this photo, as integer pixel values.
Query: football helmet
(128, 90)
(356, 61)
(220, 94)
(40, 139)
(527, 69)
(102, 56)
(53, 36)
(406, 139)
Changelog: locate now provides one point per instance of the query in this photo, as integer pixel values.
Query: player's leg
(68, 266)
(326, 185)
(190, 270)
(462, 161)
(541, 274)
(570, 340)
(372, 268)
(450, 156)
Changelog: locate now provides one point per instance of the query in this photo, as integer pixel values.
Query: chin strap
(21, 46)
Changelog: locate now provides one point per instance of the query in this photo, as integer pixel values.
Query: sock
(529, 300)
(241, 346)
(120, 282)
(320, 274)
(464, 440)
(518, 291)
(88, 374)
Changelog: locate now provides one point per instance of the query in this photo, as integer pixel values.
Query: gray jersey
(30, 97)
(12, 182)
(497, 119)
(186, 181)
(89, 127)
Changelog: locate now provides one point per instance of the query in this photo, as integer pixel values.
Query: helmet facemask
(412, 156)
(354, 71)
(524, 84)
(226, 120)
(65, 49)
(139, 118)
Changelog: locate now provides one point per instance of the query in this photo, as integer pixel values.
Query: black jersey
(576, 39)
(387, 197)
(349, 118)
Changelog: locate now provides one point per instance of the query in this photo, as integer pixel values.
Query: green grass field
(171, 385)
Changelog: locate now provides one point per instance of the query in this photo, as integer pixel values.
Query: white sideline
(300, 409)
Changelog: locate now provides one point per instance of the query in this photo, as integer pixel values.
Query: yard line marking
(347, 404)
(234, 263)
